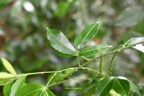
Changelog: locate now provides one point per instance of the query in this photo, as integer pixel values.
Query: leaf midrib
(87, 34)
(61, 42)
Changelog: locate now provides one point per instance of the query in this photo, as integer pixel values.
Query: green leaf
(17, 86)
(104, 86)
(62, 9)
(16, 8)
(32, 89)
(130, 16)
(134, 41)
(6, 78)
(3, 3)
(93, 50)
(8, 66)
(7, 89)
(59, 76)
(60, 42)
(50, 93)
(121, 86)
(86, 35)
(134, 88)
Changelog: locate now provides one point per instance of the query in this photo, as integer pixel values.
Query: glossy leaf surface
(104, 86)
(8, 66)
(121, 86)
(86, 35)
(93, 50)
(60, 42)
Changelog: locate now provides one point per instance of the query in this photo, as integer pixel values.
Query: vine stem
(111, 63)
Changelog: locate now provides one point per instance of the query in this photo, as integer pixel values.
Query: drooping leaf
(32, 89)
(8, 66)
(60, 42)
(59, 76)
(104, 86)
(93, 50)
(17, 86)
(134, 88)
(7, 89)
(130, 16)
(86, 35)
(121, 86)
(138, 42)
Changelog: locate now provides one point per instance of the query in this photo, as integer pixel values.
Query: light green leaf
(17, 86)
(59, 76)
(32, 89)
(8, 66)
(134, 88)
(50, 93)
(130, 16)
(6, 78)
(7, 89)
(104, 86)
(60, 42)
(16, 8)
(93, 50)
(86, 35)
(121, 86)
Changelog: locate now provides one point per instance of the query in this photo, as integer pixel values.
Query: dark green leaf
(8, 66)
(60, 42)
(130, 16)
(7, 89)
(134, 88)
(93, 50)
(86, 35)
(3, 3)
(59, 76)
(17, 86)
(121, 86)
(32, 89)
(104, 86)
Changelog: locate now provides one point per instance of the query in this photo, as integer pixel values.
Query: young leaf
(59, 76)
(7, 89)
(8, 66)
(60, 42)
(6, 78)
(104, 86)
(17, 85)
(86, 35)
(121, 86)
(134, 88)
(93, 50)
(32, 89)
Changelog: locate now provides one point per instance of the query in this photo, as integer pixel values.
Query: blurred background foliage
(24, 43)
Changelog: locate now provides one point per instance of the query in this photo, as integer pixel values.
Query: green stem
(111, 63)
(100, 66)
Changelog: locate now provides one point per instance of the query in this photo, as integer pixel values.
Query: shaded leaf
(50, 93)
(121, 86)
(59, 76)
(8, 66)
(17, 86)
(93, 50)
(134, 88)
(104, 86)
(7, 89)
(130, 16)
(32, 89)
(86, 35)
(3, 3)
(60, 42)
